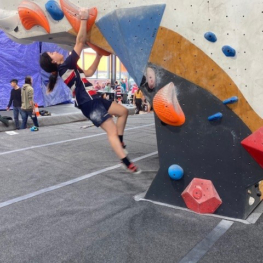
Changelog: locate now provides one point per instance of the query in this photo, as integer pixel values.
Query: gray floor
(65, 198)
(60, 114)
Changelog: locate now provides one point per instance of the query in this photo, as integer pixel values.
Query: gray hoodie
(27, 95)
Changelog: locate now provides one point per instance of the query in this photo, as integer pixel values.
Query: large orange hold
(32, 15)
(72, 14)
(167, 107)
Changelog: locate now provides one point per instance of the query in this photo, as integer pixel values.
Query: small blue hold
(216, 116)
(231, 100)
(54, 10)
(210, 36)
(228, 51)
(175, 172)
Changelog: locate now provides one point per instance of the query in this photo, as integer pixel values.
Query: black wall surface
(204, 149)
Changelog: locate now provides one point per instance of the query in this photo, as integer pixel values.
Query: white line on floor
(252, 219)
(201, 248)
(54, 187)
(71, 140)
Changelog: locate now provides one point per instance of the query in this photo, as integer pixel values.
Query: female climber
(95, 108)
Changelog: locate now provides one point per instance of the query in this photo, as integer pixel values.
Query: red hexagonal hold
(201, 196)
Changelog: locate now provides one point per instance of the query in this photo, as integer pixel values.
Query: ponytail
(52, 81)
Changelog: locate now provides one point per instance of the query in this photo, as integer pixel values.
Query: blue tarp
(19, 60)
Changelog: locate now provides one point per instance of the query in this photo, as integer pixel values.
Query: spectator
(119, 92)
(15, 98)
(134, 89)
(123, 84)
(137, 101)
(103, 85)
(116, 84)
(27, 107)
(107, 87)
(97, 86)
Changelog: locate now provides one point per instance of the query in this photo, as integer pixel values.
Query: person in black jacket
(15, 98)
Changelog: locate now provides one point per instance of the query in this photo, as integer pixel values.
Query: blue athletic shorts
(96, 110)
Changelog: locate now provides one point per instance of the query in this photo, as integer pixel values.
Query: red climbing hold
(201, 196)
(254, 145)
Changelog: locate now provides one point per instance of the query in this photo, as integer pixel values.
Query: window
(103, 72)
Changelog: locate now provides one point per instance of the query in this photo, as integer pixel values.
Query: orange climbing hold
(32, 15)
(99, 50)
(71, 12)
(167, 107)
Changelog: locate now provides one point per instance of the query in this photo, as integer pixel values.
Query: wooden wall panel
(179, 56)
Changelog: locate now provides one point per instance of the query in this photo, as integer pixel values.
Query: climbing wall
(199, 67)
(203, 148)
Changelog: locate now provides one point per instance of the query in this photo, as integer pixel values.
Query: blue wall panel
(110, 28)
(131, 33)
(139, 27)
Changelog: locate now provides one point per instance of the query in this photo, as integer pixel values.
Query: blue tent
(19, 60)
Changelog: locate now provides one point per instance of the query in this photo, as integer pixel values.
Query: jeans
(16, 111)
(138, 103)
(25, 115)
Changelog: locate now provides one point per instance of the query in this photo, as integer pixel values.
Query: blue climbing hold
(231, 100)
(216, 116)
(54, 10)
(210, 36)
(175, 172)
(228, 51)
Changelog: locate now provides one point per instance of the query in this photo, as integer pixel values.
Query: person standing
(137, 100)
(119, 92)
(97, 86)
(134, 88)
(107, 87)
(123, 85)
(116, 84)
(27, 107)
(15, 98)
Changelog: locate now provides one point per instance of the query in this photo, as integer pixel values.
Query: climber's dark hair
(47, 65)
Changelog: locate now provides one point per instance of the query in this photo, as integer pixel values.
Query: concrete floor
(65, 198)
(59, 114)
